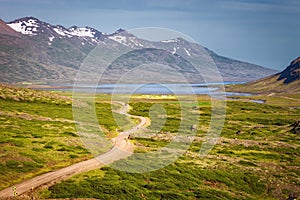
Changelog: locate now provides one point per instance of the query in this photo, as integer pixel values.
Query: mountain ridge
(291, 73)
(284, 82)
(48, 53)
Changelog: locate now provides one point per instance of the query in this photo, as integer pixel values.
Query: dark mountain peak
(73, 27)
(60, 26)
(126, 38)
(291, 73)
(120, 30)
(25, 19)
(33, 27)
(297, 60)
(78, 27)
(285, 82)
(28, 26)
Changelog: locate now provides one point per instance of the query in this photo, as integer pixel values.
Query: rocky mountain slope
(32, 50)
(287, 81)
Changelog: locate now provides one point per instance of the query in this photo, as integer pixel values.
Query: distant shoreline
(212, 89)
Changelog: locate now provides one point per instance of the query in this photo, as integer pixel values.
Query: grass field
(38, 133)
(256, 156)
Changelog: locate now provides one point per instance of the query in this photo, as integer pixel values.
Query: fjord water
(154, 88)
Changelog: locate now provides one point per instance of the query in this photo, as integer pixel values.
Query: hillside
(287, 82)
(13, 93)
(4, 29)
(32, 50)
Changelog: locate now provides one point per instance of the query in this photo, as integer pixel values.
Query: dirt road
(122, 149)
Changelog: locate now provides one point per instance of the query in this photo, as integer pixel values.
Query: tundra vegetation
(256, 157)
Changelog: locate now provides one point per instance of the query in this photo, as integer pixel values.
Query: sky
(263, 32)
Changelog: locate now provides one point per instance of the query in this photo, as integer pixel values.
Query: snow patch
(120, 39)
(175, 50)
(187, 52)
(62, 32)
(82, 32)
(51, 38)
(25, 27)
(59, 31)
(170, 41)
(75, 31)
(136, 43)
(127, 41)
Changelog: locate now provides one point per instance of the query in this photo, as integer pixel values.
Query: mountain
(32, 26)
(6, 30)
(292, 73)
(33, 50)
(287, 81)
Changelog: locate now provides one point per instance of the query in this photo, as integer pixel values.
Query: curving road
(122, 149)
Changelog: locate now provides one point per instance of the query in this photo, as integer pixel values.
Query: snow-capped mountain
(124, 37)
(179, 46)
(34, 27)
(83, 32)
(26, 26)
(33, 50)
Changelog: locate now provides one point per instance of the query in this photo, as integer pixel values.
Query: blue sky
(264, 32)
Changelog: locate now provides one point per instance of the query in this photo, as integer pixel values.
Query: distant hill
(33, 50)
(287, 81)
(13, 93)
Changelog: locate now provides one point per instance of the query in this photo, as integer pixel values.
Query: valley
(91, 115)
(256, 156)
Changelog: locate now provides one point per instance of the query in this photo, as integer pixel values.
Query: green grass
(37, 133)
(30, 147)
(257, 157)
(177, 180)
(110, 120)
